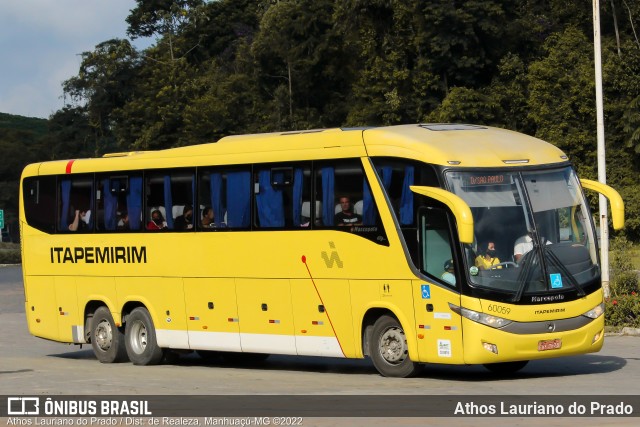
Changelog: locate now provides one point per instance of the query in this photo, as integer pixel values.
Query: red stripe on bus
(69, 164)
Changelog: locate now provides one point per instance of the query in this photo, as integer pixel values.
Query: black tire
(389, 351)
(140, 338)
(107, 340)
(506, 368)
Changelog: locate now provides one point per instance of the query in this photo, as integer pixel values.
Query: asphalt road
(30, 365)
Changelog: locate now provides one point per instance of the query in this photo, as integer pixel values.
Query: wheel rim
(393, 346)
(103, 335)
(138, 337)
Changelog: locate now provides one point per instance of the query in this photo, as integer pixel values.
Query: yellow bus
(411, 244)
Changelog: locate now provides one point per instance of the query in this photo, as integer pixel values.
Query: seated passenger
(523, 245)
(488, 259)
(123, 223)
(184, 221)
(207, 218)
(157, 221)
(79, 222)
(448, 275)
(346, 217)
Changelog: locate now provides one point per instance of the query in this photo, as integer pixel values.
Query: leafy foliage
(29, 124)
(624, 277)
(20, 144)
(623, 307)
(623, 311)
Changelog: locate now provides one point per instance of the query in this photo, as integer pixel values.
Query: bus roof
(441, 144)
(461, 144)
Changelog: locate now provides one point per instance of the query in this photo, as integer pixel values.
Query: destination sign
(473, 180)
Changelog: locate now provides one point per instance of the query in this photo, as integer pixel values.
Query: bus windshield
(533, 237)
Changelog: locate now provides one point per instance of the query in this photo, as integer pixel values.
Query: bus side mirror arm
(617, 205)
(461, 211)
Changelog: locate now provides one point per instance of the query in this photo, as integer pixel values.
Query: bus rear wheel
(140, 338)
(389, 350)
(107, 340)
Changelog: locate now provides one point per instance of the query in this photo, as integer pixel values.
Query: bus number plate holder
(549, 344)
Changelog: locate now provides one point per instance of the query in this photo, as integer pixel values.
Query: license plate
(549, 345)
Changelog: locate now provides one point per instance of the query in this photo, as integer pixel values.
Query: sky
(41, 42)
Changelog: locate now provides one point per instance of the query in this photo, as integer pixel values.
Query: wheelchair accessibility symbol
(556, 280)
(426, 292)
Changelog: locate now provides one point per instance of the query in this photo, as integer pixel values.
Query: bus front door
(439, 330)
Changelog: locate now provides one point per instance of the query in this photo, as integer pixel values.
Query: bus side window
(119, 202)
(279, 192)
(40, 202)
(342, 181)
(269, 200)
(346, 200)
(75, 204)
(397, 176)
(224, 199)
(164, 191)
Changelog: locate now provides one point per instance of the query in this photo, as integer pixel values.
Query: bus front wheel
(389, 350)
(107, 340)
(140, 338)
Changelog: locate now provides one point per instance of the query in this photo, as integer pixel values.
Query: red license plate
(549, 345)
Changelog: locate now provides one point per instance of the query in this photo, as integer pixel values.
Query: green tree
(161, 17)
(393, 79)
(153, 118)
(622, 120)
(561, 97)
(70, 136)
(298, 53)
(19, 148)
(463, 105)
(464, 38)
(227, 104)
(103, 84)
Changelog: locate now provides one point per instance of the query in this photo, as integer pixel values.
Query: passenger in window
(80, 221)
(448, 275)
(488, 257)
(346, 217)
(157, 221)
(123, 223)
(184, 221)
(207, 218)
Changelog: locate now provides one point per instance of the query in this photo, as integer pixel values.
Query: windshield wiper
(523, 276)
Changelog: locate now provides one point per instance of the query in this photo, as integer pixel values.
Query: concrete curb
(626, 331)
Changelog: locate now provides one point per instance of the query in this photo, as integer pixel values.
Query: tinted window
(279, 194)
(167, 195)
(76, 209)
(345, 201)
(39, 195)
(224, 198)
(119, 202)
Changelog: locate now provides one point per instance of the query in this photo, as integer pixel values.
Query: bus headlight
(595, 312)
(485, 319)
